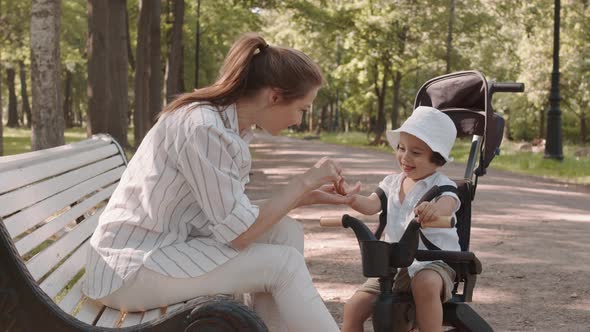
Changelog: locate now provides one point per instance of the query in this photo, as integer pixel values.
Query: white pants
(272, 269)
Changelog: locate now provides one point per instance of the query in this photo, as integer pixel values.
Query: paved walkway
(531, 235)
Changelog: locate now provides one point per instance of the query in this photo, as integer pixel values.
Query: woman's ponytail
(250, 65)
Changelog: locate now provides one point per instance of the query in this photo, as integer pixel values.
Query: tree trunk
(148, 100)
(107, 69)
(310, 119)
(67, 107)
(1, 113)
(321, 119)
(450, 35)
(583, 129)
(174, 81)
(118, 68)
(12, 108)
(379, 128)
(128, 40)
(396, 99)
(197, 44)
(542, 122)
(47, 117)
(99, 93)
(24, 94)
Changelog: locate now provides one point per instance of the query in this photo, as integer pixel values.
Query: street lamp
(553, 146)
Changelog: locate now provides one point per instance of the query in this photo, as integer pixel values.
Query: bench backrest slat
(30, 173)
(26, 196)
(28, 158)
(59, 278)
(30, 241)
(29, 217)
(48, 258)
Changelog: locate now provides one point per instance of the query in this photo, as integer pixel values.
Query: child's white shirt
(399, 214)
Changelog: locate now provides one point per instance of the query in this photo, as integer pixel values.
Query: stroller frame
(466, 97)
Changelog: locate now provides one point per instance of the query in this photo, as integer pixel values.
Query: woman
(179, 224)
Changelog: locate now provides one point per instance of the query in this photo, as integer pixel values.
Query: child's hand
(426, 212)
(326, 194)
(343, 188)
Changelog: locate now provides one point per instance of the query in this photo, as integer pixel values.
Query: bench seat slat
(42, 233)
(151, 315)
(16, 178)
(41, 263)
(174, 307)
(109, 318)
(89, 311)
(29, 195)
(59, 278)
(27, 218)
(132, 318)
(69, 302)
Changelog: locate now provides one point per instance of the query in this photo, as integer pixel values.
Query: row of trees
(109, 64)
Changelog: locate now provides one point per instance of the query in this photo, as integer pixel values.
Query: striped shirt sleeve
(208, 162)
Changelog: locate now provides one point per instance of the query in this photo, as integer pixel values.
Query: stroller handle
(506, 87)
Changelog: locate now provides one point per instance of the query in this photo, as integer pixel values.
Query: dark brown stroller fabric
(464, 96)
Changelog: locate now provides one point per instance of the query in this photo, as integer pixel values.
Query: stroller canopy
(464, 97)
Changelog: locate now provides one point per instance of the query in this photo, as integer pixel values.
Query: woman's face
(282, 115)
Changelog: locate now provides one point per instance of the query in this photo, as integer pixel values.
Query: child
(422, 145)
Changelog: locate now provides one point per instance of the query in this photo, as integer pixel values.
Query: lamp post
(553, 146)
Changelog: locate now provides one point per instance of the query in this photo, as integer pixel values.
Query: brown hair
(437, 159)
(250, 65)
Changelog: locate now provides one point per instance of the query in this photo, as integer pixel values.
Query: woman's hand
(328, 194)
(323, 172)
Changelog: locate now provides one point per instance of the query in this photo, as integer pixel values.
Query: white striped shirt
(399, 214)
(179, 203)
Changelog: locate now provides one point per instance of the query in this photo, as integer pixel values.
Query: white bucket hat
(432, 126)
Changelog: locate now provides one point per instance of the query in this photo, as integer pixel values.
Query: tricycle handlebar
(506, 87)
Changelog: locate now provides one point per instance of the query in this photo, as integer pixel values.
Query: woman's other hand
(327, 194)
(343, 188)
(323, 172)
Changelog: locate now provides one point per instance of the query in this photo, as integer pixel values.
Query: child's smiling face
(414, 157)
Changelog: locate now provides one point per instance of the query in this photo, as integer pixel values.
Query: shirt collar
(232, 115)
(427, 182)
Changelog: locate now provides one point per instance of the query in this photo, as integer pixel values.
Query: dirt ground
(529, 233)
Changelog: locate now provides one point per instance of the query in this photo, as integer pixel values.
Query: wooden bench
(50, 201)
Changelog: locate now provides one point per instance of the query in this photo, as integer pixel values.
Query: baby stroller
(466, 98)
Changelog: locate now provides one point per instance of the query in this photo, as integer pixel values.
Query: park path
(531, 235)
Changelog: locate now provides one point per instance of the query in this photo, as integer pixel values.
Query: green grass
(18, 140)
(572, 169)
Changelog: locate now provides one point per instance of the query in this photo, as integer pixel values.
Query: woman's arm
(280, 203)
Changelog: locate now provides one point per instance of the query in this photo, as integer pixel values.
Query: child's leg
(431, 286)
(360, 306)
(427, 287)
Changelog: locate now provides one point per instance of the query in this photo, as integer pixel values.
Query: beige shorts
(402, 281)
